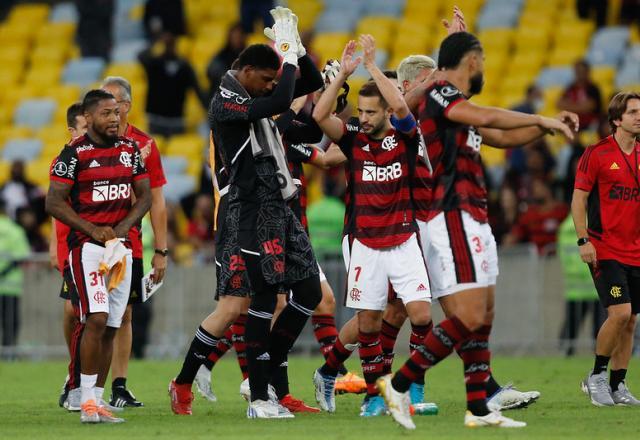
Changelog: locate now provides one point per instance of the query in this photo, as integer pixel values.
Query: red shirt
(454, 153)
(100, 177)
(156, 176)
(612, 179)
(540, 227)
(379, 202)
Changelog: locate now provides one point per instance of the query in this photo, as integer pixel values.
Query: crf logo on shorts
(103, 193)
(372, 173)
(355, 294)
(100, 297)
(616, 291)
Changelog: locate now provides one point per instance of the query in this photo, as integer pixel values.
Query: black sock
(601, 363)
(119, 382)
(478, 407)
(201, 346)
(280, 380)
(617, 377)
(257, 340)
(492, 386)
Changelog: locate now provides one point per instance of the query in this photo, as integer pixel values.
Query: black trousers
(10, 314)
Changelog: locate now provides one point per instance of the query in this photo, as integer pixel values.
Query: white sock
(99, 392)
(87, 387)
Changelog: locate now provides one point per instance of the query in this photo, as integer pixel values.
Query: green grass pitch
(29, 392)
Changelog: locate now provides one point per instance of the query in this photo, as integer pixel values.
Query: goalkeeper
(257, 232)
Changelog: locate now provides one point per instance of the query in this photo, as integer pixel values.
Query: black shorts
(268, 237)
(67, 284)
(137, 272)
(617, 283)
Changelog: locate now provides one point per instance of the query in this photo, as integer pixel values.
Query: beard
(475, 83)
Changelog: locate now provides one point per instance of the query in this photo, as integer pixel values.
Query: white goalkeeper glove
(301, 50)
(330, 72)
(284, 33)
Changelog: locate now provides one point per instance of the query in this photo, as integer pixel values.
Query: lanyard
(634, 171)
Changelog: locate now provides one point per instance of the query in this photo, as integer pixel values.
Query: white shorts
(371, 271)
(91, 287)
(460, 252)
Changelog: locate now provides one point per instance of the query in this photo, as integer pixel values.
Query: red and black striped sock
(335, 359)
(438, 344)
(492, 386)
(325, 331)
(388, 336)
(418, 333)
(224, 344)
(371, 359)
(475, 357)
(239, 345)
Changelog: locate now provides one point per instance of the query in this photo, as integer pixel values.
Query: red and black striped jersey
(100, 177)
(153, 165)
(379, 206)
(297, 154)
(454, 152)
(62, 232)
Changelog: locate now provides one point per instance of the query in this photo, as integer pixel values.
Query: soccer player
(96, 174)
(59, 252)
(606, 214)
(259, 233)
(456, 239)
(121, 89)
(384, 248)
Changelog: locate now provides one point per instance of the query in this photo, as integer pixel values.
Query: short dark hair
(455, 47)
(618, 106)
(392, 74)
(260, 56)
(73, 112)
(93, 97)
(370, 89)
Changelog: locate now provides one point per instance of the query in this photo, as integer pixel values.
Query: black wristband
(582, 241)
(163, 252)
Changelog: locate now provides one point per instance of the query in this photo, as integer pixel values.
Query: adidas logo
(366, 148)
(421, 288)
(264, 357)
(94, 164)
(614, 166)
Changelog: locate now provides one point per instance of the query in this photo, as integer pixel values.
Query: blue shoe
(416, 393)
(373, 406)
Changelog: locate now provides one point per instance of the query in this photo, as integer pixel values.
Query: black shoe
(63, 394)
(121, 397)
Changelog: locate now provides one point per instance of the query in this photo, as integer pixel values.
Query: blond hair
(410, 67)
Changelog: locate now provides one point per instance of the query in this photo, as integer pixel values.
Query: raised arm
(468, 113)
(310, 78)
(519, 136)
(330, 124)
(279, 101)
(389, 91)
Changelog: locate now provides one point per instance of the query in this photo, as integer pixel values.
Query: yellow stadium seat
(13, 56)
(53, 133)
(560, 56)
(630, 88)
(470, 7)
(133, 72)
(15, 34)
(55, 33)
(538, 38)
(329, 45)
(38, 171)
(257, 38)
(525, 62)
(423, 8)
(43, 78)
(484, 99)
(634, 37)
(185, 145)
(574, 33)
(194, 113)
(184, 45)
(45, 56)
(496, 39)
(14, 132)
(380, 27)
(33, 14)
(510, 100)
(51, 149)
(11, 97)
(492, 156)
(194, 166)
(515, 86)
(65, 95)
(603, 74)
(9, 77)
(5, 170)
